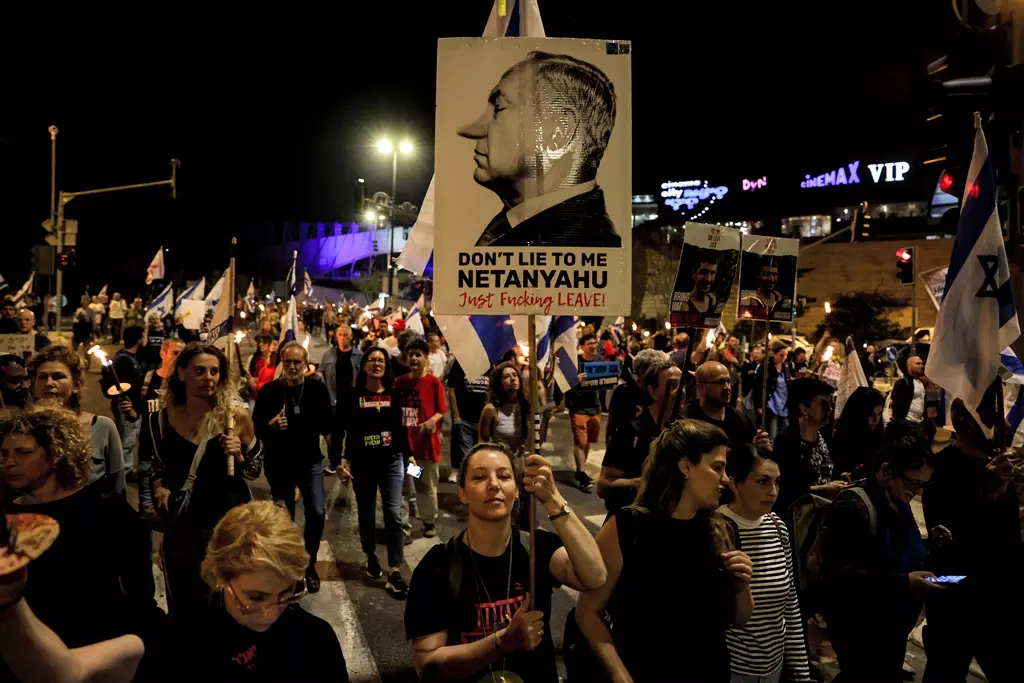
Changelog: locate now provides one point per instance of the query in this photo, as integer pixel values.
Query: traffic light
(66, 259)
(905, 265)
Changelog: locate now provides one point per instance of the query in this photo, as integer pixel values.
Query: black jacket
(773, 375)
(580, 221)
(902, 395)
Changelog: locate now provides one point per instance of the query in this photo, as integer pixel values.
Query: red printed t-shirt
(422, 399)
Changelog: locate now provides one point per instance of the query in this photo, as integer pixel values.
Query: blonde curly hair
(67, 443)
(253, 536)
(57, 353)
(226, 400)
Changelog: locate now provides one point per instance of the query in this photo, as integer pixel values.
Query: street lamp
(384, 146)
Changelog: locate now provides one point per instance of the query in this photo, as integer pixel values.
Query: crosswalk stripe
(334, 605)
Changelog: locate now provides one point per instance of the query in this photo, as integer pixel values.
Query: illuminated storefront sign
(756, 184)
(894, 171)
(689, 193)
(844, 175)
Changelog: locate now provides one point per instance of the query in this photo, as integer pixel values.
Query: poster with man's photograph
(707, 269)
(532, 169)
(767, 278)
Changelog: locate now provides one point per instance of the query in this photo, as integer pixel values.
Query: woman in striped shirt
(770, 647)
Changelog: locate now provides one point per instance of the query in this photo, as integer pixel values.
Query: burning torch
(119, 387)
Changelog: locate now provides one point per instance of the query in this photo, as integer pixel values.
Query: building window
(311, 231)
(329, 229)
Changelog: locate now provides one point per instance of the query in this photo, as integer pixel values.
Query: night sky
(273, 112)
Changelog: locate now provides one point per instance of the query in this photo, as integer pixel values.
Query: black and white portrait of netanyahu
(538, 144)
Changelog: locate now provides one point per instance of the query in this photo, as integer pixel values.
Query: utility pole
(65, 197)
(58, 302)
(391, 222)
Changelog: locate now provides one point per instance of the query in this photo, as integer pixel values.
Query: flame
(239, 336)
(524, 349)
(99, 353)
(827, 354)
(668, 325)
(710, 339)
(242, 314)
(634, 327)
(828, 308)
(647, 333)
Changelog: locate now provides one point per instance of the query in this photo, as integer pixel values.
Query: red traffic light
(945, 182)
(904, 254)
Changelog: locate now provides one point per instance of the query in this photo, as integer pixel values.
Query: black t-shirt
(654, 619)
(96, 581)
(580, 402)
(298, 648)
(149, 355)
(308, 409)
(343, 374)
(375, 433)
(626, 404)
(627, 451)
(486, 595)
(398, 368)
(737, 426)
(470, 395)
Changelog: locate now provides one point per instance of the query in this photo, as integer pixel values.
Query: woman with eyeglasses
(96, 581)
(874, 565)
(376, 449)
(254, 629)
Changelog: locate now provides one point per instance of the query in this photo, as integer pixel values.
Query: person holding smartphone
(874, 564)
(375, 457)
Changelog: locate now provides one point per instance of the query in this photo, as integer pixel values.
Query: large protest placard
(532, 172)
(707, 269)
(599, 375)
(767, 278)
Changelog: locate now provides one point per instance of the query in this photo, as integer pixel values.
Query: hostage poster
(532, 177)
(707, 269)
(767, 278)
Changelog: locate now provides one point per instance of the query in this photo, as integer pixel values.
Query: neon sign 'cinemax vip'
(844, 175)
(678, 193)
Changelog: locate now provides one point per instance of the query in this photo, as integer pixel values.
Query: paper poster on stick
(190, 314)
(935, 284)
(707, 269)
(767, 278)
(532, 177)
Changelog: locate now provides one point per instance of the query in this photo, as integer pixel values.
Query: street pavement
(367, 620)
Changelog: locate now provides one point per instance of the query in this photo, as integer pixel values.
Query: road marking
(334, 605)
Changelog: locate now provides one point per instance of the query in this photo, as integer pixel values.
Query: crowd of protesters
(741, 512)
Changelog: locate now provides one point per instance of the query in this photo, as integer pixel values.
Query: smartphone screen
(414, 470)
(946, 579)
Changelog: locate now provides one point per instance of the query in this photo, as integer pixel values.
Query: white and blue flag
(418, 254)
(3, 283)
(480, 341)
(213, 298)
(194, 292)
(977, 318)
(414, 321)
(307, 283)
(163, 303)
(26, 288)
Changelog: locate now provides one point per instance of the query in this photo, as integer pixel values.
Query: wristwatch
(564, 512)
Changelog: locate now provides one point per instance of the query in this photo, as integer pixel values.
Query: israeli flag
(162, 304)
(25, 288)
(103, 291)
(414, 321)
(977, 318)
(307, 284)
(481, 341)
(418, 253)
(194, 292)
(213, 298)
(290, 322)
(3, 283)
(250, 294)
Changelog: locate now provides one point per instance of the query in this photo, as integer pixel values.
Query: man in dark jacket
(973, 516)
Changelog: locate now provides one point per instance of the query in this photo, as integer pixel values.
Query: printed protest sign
(532, 177)
(935, 284)
(707, 269)
(767, 278)
(600, 375)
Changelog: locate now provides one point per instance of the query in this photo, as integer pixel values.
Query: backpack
(807, 523)
(455, 549)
